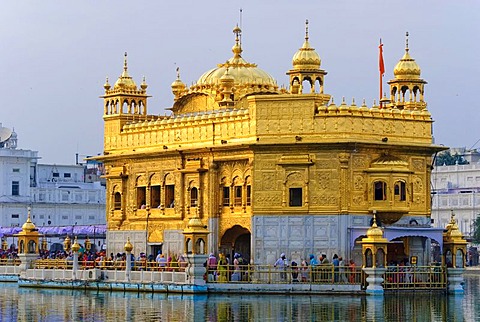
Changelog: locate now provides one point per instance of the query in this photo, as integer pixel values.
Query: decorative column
(75, 249)
(343, 159)
(374, 250)
(195, 237)
(128, 250)
(454, 254)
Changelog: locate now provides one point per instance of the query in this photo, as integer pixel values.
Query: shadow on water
(27, 304)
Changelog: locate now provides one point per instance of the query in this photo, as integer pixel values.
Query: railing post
(374, 280)
(455, 280)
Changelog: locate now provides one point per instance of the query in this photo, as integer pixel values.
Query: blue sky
(55, 55)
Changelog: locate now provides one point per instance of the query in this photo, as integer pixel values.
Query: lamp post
(66, 244)
(4, 244)
(88, 244)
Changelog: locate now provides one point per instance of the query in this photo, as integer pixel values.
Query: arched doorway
(236, 240)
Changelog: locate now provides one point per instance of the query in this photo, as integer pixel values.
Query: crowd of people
(222, 269)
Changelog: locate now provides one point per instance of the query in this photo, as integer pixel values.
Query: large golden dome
(248, 78)
(306, 57)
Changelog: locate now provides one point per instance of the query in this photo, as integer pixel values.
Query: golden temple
(268, 170)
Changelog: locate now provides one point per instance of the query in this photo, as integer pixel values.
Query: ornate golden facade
(266, 169)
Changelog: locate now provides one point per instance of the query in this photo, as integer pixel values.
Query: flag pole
(381, 67)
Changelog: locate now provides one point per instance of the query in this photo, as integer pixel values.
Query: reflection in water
(66, 305)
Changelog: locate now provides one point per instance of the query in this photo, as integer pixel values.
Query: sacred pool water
(26, 304)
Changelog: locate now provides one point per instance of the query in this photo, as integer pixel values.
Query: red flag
(381, 65)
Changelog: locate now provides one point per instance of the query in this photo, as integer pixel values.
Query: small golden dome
(144, 84)
(195, 222)
(107, 85)
(125, 81)
(374, 232)
(306, 57)
(177, 85)
(407, 68)
(28, 225)
(128, 245)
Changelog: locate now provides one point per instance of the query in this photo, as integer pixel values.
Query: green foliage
(446, 158)
(476, 231)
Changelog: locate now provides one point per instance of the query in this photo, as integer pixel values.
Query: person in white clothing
(282, 264)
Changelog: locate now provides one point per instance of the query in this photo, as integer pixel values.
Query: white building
(457, 188)
(57, 194)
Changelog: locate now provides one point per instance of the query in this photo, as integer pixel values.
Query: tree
(446, 158)
(476, 230)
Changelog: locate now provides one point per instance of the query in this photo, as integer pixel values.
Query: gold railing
(395, 277)
(53, 263)
(110, 265)
(10, 262)
(415, 277)
(268, 274)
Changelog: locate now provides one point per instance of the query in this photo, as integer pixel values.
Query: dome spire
(125, 81)
(237, 48)
(306, 30)
(125, 66)
(406, 41)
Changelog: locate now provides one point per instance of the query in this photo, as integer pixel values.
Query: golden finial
(364, 103)
(406, 41)
(128, 245)
(76, 245)
(306, 29)
(238, 32)
(237, 48)
(125, 62)
(178, 72)
(452, 217)
(144, 85)
(241, 11)
(374, 224)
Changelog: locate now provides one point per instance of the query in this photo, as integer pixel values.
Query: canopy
(60, 230)
(393, 232)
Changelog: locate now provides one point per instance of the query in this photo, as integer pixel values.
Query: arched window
(368, 258)
(237, 200)
(380, 190)
(226, 196)
(194, 197)
(459, 259)
(380, 260)
(400, 191)
(117, 202)
(31, 247)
